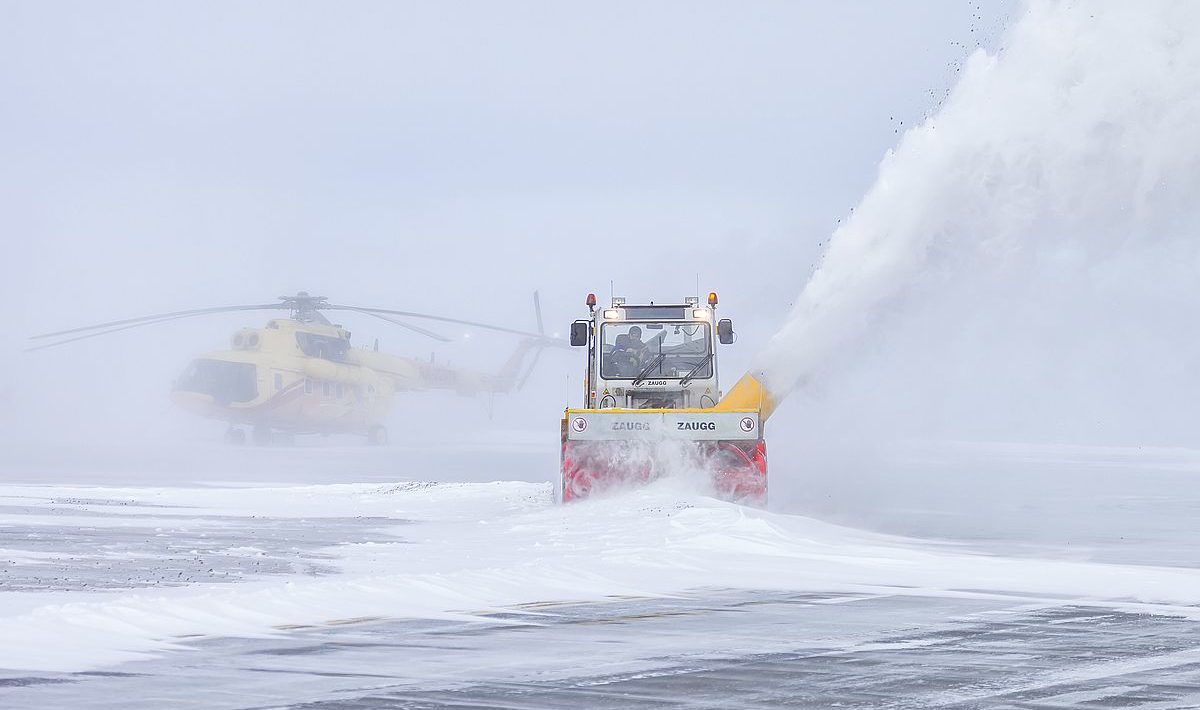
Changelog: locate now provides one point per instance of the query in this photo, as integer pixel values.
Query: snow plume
(1052, 198)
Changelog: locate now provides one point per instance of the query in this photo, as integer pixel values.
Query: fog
(1001, 260)
(449, 159)
(1019, 269)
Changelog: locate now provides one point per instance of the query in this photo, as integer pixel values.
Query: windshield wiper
(688, 377)
(646, 370)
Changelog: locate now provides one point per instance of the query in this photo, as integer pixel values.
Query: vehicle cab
(652, 356)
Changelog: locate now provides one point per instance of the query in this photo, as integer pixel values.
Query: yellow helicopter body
(306, 378)
(301, 375)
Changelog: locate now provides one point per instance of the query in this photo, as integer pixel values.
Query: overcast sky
(441, 156)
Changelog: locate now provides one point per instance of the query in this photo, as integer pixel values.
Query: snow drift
(471, 549)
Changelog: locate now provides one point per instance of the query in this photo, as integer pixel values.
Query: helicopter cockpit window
(323, 346)
(226, 382)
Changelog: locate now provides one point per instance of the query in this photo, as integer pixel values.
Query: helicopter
(300, 374)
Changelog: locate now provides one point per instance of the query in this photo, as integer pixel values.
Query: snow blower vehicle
(653, 404)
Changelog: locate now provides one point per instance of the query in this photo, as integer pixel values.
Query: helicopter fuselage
(291, 376)
(300, 377)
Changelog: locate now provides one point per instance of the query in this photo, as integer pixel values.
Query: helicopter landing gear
(262, 436)
(235, 437)
(377, 436)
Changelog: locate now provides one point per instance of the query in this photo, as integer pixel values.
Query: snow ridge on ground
(465, 549)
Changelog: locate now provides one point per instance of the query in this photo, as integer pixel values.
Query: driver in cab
(634, 350)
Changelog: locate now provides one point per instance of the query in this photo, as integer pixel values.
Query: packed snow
(458, 551)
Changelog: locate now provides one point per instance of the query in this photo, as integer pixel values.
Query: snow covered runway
(480, 594)
(712, 648)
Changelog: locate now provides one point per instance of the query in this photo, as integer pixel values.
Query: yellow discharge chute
(748, 393)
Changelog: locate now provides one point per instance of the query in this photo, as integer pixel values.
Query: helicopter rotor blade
(529, 371)
(160, 317)
(410, 326)
(109, 331)
(537, 309)
(459, 321)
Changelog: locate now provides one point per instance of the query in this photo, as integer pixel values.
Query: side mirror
(579, 332)
(725, 331)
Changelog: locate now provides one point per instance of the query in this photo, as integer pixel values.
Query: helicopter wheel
(235, 437)
(262, 435)
(377, 436)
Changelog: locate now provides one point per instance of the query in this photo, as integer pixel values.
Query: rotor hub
(305, 308)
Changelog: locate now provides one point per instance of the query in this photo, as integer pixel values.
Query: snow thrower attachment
(653, 406)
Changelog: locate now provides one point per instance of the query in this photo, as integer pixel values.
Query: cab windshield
(675, 349)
